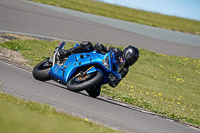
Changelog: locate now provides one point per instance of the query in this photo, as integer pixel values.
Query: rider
(130, 54)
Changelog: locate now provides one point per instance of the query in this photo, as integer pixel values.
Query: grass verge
(128, 14)
(19, 116)
(160, 83)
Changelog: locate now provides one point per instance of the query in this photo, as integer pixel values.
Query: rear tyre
(94, 91)
(77, 83)
(41, 70)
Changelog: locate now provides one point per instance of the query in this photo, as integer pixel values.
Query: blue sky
(182, 8)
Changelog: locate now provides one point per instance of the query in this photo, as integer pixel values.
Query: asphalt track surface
(20, 16)
(21, 84)
(26, 17)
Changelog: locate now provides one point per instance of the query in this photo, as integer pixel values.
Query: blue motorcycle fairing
(63, 73)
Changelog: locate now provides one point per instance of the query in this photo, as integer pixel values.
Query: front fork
(88, 71)
(60, 46)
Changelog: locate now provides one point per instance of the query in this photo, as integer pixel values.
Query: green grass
(35, 50)
(128, 14)
(160, 83)
(19, 116)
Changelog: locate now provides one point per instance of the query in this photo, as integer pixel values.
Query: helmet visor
(119, 60)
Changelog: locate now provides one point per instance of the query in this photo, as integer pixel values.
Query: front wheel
(41, 70)
(79, 83)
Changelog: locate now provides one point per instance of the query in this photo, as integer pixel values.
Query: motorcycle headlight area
(106, 62)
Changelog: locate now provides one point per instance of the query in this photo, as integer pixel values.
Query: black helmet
(131, 55)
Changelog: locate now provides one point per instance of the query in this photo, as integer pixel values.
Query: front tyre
(77, 83)
(41, 70)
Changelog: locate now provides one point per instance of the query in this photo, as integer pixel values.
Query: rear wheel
(94, 91)
(41, 70)
(80, 82)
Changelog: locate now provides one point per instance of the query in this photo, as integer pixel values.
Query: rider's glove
(100, 48)
(63, 53)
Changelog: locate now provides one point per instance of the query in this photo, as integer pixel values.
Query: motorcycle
(81, 71)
